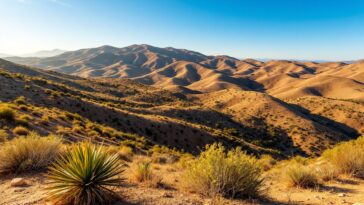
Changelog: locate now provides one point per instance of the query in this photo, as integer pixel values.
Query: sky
(273, 29)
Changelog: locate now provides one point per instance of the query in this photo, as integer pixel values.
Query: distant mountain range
(44, 53)
(38, 54)
(186, 71)
(3, 55)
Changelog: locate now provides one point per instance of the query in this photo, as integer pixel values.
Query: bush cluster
(229, 174)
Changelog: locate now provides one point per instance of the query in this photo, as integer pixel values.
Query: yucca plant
(85, 175)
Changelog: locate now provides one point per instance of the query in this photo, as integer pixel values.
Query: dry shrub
(326, 172)
(348, 157)
(267, 162)
(233, 174)
(185, 160)
(77, 129)
(123, 152)
(298, 175)
(20, 130)
(7, 113)
(21, 100)
(3, 135)
(23, 120)
(31, 153)
(126, 153)
(141, 171)
(164, 158)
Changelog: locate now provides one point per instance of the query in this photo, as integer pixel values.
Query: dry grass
(232, 174)
(3, 135)
(141, 172)
(327, 172)
(31, 153)
(348, 157)
(267, 162)
(298, 175)
(123, 152)
(126, 153)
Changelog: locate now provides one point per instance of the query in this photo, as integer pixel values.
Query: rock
(19, 190)
(167, 195)
(19, 182)
(341, 195)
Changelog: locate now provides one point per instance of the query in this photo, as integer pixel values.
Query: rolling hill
(189, 72)
(133, 112)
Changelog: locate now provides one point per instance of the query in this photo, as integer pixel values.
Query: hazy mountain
(44, 53)
(3, 55)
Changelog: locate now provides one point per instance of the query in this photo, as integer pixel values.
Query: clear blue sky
(283, 29)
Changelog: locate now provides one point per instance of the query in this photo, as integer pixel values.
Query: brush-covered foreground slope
(124, 111)
(181, 70)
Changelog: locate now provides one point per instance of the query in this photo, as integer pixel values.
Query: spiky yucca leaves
(84, 176)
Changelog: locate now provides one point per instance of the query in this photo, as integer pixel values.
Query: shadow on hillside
(327, 122)
(347, 131)
(272, 137)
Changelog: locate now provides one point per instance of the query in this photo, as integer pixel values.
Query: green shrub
(233, 174)
(348, 157)
(298, 175)
(31, 153)
(7, 113)
(84, 175)
(20, 130)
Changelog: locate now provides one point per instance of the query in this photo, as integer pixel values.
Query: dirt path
(344, 191)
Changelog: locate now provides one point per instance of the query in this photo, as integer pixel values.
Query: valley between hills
(165, 104)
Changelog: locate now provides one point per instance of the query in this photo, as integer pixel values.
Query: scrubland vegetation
(30, 153)
(84, 173)
(88, 139)
(232, 174)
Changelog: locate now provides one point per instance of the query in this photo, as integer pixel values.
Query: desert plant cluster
(86, 173)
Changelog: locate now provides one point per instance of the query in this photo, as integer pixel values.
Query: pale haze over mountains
(44, 53)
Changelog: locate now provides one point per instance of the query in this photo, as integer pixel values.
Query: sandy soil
(342, 191)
